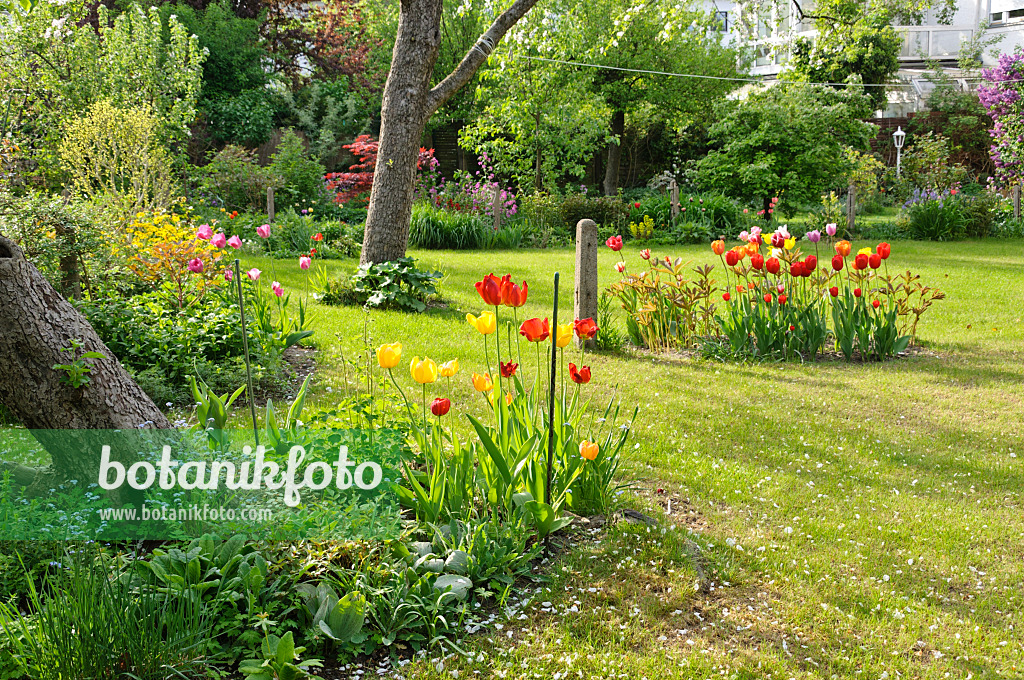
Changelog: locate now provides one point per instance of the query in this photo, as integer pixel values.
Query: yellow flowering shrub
(159, 246)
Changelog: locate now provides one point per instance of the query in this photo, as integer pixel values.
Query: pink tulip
(219, 240)
(253, 274)
(195, 265)
(264, 231)
(228, 274)
(830, 229)
(276, 287)
(304, 262)
(235, 242)
(204, 232)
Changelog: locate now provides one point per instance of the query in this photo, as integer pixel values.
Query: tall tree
(660, 36)
(409, 101)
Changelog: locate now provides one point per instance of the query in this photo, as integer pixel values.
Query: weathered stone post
(851, 208)
(270, 204)
(674, 199)
(585, 298)
(498, 207)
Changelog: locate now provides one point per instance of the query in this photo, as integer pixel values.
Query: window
(996, 17)
(1015, 14)
(723, 18)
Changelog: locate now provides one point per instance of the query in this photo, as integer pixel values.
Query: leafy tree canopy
(788, 141)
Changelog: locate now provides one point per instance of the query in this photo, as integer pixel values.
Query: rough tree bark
(36, 322)
(408, 103)
(611, 171)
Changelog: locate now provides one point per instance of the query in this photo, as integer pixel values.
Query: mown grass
(855, 520)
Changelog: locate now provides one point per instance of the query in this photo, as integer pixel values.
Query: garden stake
(245, 348)
(551, 397)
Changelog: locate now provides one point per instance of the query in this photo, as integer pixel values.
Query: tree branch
(476, 55)
(800, 11)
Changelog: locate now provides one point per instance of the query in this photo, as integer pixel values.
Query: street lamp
(897, 138)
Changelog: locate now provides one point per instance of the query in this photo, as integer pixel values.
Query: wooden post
(585, 298)
(270, 204)
(851, 208)
(497, 207)
(673, 189)
(1016, 201)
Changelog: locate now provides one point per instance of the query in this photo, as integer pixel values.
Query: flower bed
(776, 300)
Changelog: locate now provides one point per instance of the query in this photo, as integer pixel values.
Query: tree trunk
(36, 322)
(407, 105)
(611, 171)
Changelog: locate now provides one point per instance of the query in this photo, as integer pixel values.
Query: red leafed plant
(357, 182)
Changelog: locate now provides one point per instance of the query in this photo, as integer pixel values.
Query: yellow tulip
(423, 372)
(864, 251)
(589, 450)
(563, 335)
(790, 242)
(450, 368)
(482, 383)
(767, 238)
(389, 355)
(508, 399)
(485, 324)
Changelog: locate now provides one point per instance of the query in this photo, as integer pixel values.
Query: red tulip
(614, 242)
(535, 330)
(860, 262)
(834, 291)
(772, 265)
(837, 262)
(757, 261)
(512, 295)
(440, 406)
(782, 299)
(792, 327)
(731, 258)
(767, 297)
(318, 237)
(490, 290)
(645, 253)
(883, 250)
(875, 261)
(875, 304)
(796, 269)
(811, 263)
(726, 297)
(856, 292)
(778, 240)
(581, 376)
(508, 369)
(585, 328)
(637, 204)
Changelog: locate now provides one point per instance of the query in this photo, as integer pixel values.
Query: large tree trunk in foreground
(408, 103)
(611, 171)
(36, 322)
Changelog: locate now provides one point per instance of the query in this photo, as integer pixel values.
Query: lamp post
(897, 138)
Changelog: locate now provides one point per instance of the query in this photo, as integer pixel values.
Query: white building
(769, 29)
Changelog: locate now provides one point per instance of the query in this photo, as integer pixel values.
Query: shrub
(115, 154)
(607, 211)
(300, 177)
(233, 180)
(438, 229)
(390, 285)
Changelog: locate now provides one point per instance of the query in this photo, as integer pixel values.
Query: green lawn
(855, 520)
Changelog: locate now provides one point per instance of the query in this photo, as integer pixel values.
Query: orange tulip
(718, 247)
(843, 248)
(589, 450)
